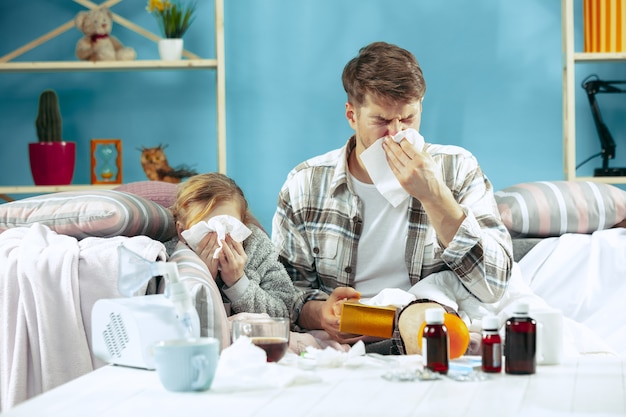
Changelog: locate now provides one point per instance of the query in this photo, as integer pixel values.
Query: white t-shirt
(380, 257)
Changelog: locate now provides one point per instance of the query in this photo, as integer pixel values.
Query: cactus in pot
(49, 121)
(52, 159)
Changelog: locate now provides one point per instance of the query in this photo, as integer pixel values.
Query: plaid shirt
(317, 225)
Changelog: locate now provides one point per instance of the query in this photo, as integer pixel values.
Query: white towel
(222, 225)
(376, 164)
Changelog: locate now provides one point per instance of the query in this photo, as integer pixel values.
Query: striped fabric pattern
(553, 208)
(160, 192)
(97, 213)
(207, 297)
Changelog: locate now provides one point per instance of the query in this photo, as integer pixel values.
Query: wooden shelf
(599, 56)
(570, 60)
(5, 191)
(41, 189)
(190, 62)
(136, 65)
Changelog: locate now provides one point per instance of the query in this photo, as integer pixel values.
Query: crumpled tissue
(390, 297)
(243, 366)
(378, 168)
(222, 225)
(333, 358)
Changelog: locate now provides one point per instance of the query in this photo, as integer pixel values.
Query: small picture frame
(106, 161)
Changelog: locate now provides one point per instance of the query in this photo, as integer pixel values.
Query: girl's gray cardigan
(265, 286)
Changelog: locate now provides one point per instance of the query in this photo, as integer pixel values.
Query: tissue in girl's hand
(222, 225)
(377, 167)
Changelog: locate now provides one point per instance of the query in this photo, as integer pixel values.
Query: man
(337, 232)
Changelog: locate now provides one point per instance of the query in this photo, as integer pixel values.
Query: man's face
(375, 119)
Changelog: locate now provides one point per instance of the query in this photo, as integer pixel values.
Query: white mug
(187, 364)
(549, 335)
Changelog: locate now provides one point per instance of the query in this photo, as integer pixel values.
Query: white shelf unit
(193, 63)
(570, 58)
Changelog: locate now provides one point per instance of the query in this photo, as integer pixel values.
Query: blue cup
(186, 364)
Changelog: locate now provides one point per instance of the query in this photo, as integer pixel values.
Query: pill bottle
(435, 342)
(491, 346)
(520, 342)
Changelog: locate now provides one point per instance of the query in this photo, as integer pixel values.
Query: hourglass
(106, 161)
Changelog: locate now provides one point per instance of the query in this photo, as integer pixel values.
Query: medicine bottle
(491, 346)
(520, 342)
(435, 342)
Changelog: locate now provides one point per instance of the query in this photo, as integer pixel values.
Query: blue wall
(493, 73)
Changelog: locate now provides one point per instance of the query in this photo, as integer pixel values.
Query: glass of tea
(269, 333)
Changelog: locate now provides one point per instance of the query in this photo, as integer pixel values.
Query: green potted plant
(52, 159)
(173, 19)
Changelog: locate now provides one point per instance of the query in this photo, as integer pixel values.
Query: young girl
(248, 274)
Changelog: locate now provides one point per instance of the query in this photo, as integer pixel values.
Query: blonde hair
(197, 196)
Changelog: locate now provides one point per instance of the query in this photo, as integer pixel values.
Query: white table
(589, 385)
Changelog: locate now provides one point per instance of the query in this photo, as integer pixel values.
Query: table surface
(586, 385)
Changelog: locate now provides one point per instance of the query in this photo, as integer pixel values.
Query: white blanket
(585, 277)
(582, 275)
(45, 308)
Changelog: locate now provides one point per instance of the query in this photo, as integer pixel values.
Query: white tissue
(243, 366)
(222, 225)
(376, 164)
(390, 297)
(333, 358)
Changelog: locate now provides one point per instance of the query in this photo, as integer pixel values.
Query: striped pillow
(98, 213)
(163, 193)
(552, 208)
(207, 297)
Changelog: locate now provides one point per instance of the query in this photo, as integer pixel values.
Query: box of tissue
(358, 318)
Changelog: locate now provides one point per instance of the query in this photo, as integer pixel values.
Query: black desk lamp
(593, 85)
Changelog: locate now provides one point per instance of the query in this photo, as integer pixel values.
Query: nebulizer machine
(125, 329)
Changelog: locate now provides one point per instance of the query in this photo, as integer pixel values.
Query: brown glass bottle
(491, 346)
(520, 342)
(435, 342)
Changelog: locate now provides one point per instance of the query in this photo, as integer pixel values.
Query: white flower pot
(170, 49)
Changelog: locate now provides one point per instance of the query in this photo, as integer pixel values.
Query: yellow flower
(155, 5)
(173, 19)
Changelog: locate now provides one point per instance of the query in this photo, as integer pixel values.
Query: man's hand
(420, 176)
(327, 314)
(416, 171)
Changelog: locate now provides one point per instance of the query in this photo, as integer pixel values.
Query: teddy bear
(98, 44)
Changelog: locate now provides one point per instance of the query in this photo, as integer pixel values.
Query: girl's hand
(206, 249)
(232, 259)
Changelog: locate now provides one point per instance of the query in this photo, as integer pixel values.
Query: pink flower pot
(52, 163)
